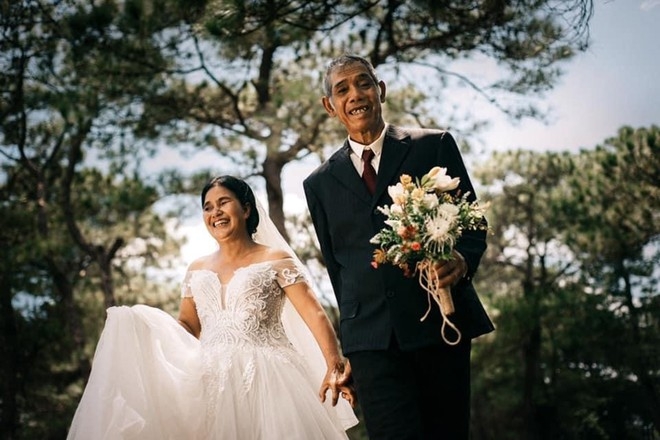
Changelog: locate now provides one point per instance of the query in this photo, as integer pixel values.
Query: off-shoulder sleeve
(288, 273)
(186, 291)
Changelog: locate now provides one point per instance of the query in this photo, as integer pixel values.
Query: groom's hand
(452, 271)
(345, 383)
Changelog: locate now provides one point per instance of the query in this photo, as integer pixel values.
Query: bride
(252, 356)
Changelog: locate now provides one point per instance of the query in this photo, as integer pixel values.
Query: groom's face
(356, 101)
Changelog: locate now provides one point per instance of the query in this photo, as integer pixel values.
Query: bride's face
(224, 216)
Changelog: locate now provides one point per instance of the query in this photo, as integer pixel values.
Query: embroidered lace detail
(291, 276)
(248, 376)
(241, 324)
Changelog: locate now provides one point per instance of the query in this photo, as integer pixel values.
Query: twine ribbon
(428, 279)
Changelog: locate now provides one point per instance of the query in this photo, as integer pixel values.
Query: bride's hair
(243, 193)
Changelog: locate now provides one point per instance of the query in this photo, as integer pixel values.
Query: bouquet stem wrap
(428, 279)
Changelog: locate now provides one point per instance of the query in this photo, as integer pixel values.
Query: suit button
(390, 293)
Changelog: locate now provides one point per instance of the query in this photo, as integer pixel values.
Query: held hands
(452, 271)
(339, 381)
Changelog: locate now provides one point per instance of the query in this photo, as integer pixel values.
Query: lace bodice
(241, 323)
(247, 310)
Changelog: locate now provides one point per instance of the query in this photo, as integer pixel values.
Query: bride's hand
(338, 380)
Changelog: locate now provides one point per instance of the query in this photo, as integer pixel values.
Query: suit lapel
(395, 148)
(344, 171)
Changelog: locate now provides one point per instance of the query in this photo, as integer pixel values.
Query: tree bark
(272, 173)
(10, 361)
(640, 364)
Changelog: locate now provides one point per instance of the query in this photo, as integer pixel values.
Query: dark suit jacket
(373, 303)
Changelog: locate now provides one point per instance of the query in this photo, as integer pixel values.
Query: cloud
(647, 5)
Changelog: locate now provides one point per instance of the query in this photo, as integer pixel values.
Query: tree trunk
(640, 362)
(104, 260)
(107, 286)
(531, 354)
(73, 322)
(10, 361)
(272, 172)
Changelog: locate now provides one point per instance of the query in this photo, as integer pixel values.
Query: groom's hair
(341, 62)
(243, 193)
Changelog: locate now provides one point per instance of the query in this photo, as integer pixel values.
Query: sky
(615, 82)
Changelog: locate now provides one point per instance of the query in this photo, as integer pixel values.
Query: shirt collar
(376, 146)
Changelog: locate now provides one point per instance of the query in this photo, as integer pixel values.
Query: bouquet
(423, 224)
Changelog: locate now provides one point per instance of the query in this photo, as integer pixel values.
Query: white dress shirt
(376, 146)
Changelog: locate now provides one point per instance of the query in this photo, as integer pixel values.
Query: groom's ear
(327, 105)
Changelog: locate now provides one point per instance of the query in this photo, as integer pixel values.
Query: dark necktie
(369, 173)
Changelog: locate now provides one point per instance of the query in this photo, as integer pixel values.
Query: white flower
(449, 210)
(433, 172)
(397, 193)
(385, 210)
(418, 194)
(430, 201)
(394, 224)
(396, 209)
(439, 226)
(443, 183)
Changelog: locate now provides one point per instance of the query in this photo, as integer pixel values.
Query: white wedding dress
(253, 374)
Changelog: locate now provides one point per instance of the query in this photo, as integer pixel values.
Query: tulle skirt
(148, 381)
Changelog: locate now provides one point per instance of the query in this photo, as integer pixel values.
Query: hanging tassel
(428, 279)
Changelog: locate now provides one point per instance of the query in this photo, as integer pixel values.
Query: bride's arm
(188, 317)
(338, 374)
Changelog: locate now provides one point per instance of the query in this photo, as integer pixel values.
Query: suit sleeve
(471, 244)
(319, 219)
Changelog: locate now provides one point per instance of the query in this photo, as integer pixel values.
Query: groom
(410, 383)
